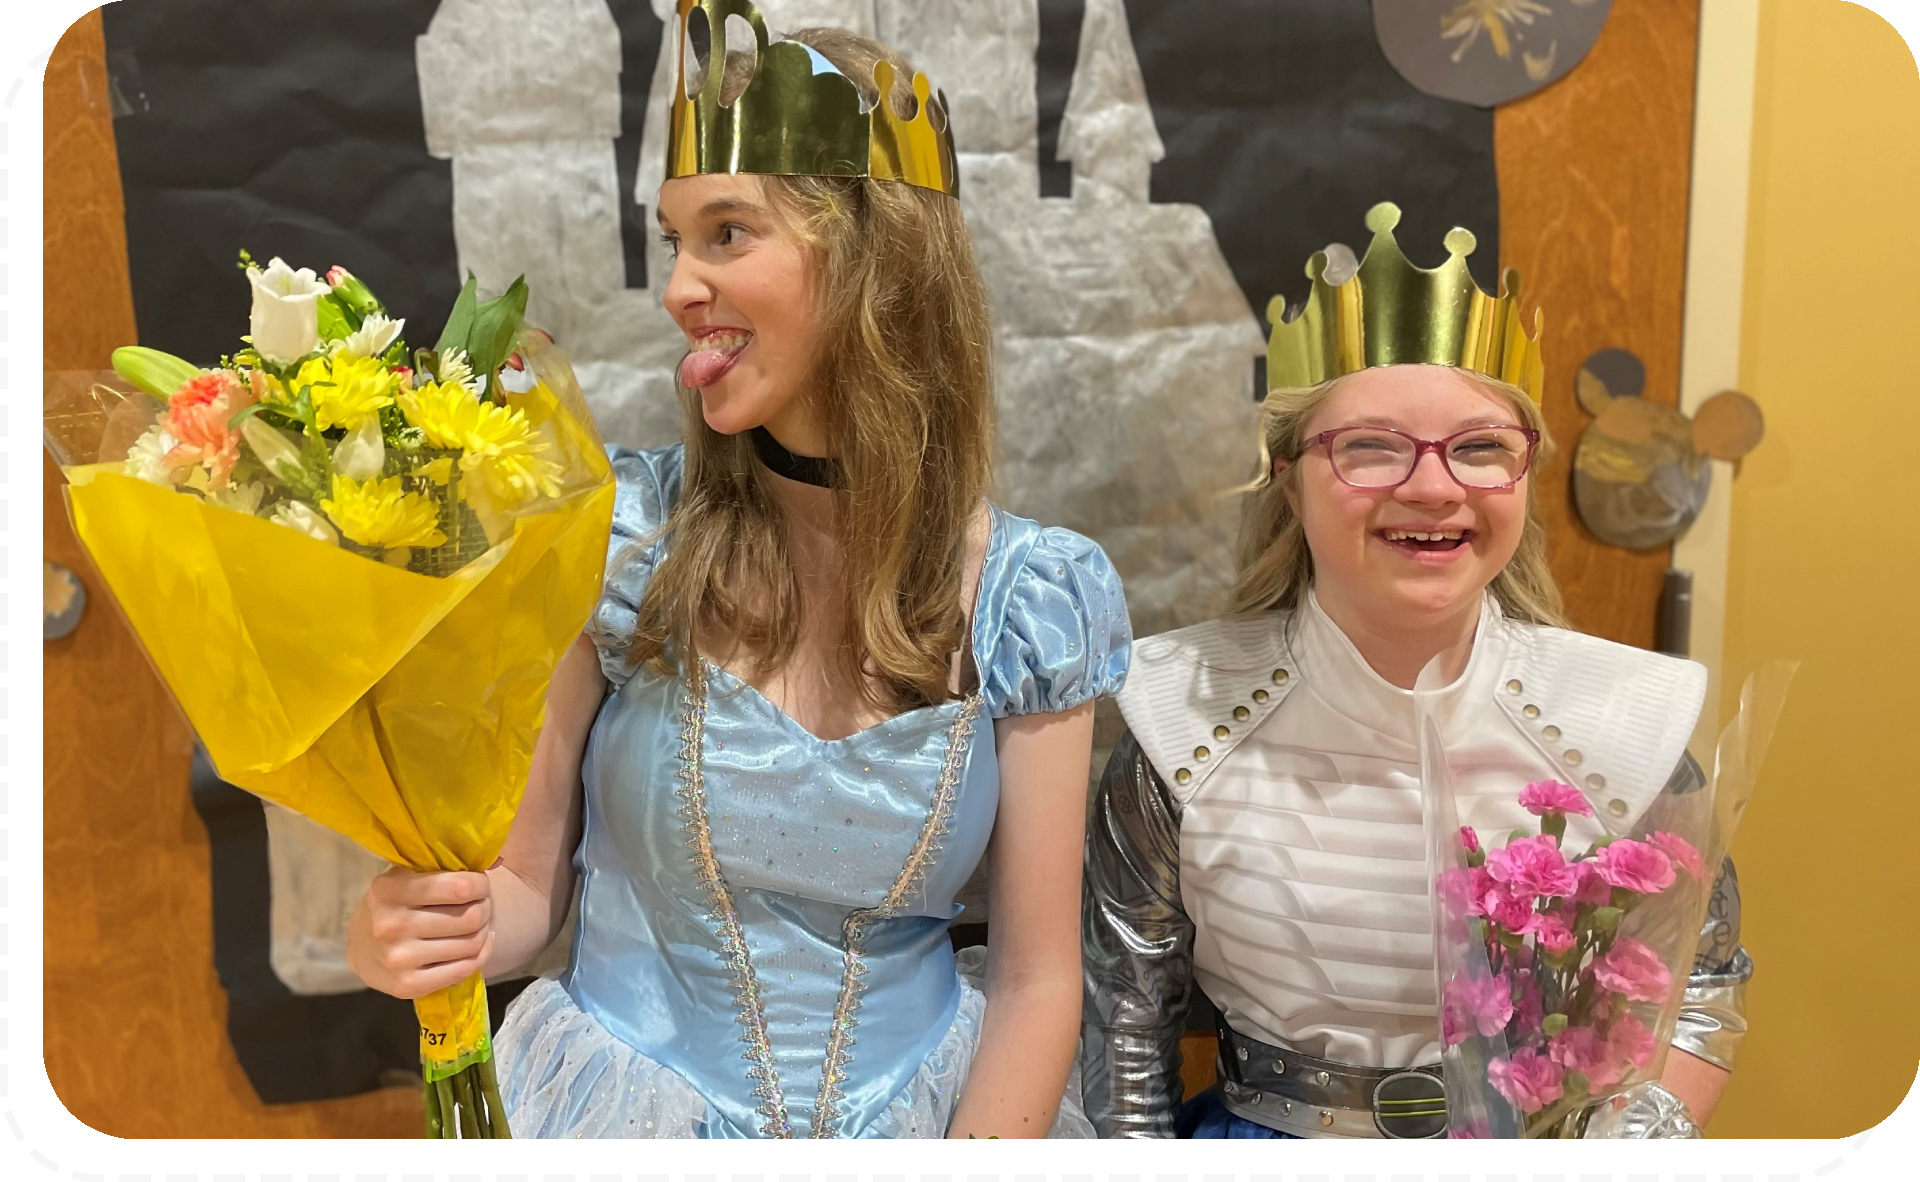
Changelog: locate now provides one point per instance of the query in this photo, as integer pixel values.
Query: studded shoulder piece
(1614, 720)
(1193, 694)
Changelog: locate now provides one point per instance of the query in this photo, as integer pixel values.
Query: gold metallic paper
(791, 121)
(1390, 312)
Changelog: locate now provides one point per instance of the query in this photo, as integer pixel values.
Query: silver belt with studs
(1311, 1097)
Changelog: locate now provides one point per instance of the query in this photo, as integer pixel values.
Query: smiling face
(1421, 552)
(742, 291)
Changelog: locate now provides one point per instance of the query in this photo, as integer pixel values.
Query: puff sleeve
(1064, 637)
(646, 488)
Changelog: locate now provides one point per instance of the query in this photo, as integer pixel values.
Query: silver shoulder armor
(1137, 952)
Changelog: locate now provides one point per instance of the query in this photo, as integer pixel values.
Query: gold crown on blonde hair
(799, 115)
(1386, 311)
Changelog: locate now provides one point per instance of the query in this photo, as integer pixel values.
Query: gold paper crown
(800, 116)
(1387, 311)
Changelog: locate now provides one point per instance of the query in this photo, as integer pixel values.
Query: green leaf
(1606, 919)
(337, 320)
(460, 320)
(496, 325)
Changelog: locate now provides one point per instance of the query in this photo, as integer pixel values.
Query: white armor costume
(1259, 833)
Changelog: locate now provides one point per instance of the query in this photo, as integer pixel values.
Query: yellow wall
(1825, 566)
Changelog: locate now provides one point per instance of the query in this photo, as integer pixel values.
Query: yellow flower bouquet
(355, 566)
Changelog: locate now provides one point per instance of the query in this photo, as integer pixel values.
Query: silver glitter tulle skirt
(563, 1075)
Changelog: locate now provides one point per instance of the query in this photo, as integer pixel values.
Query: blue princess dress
(762, 943)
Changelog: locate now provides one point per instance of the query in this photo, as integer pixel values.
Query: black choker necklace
(819, 471)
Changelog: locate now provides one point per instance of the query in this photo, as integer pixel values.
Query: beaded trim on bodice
(762, 1069)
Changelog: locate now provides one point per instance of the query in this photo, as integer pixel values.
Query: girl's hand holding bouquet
(356, 565)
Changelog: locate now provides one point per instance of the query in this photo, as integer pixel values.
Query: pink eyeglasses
(1478, 458)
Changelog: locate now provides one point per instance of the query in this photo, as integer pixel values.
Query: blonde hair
(903, 381)
(1276, 566)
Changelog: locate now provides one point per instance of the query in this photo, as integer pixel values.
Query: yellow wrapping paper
(396, 708)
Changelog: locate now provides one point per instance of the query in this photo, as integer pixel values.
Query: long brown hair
(1276, 567)
(903, 380)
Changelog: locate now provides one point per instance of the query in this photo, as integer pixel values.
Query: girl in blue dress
(826, 674)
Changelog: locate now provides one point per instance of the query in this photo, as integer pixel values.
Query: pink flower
(1551, 796)
(1511, 911)
(1680, 850)
(1634, 969)
(1533, 866)
(198, 417)
(1589, 888)
(1630, 1041)
(1551, 931)
(1634, 865)
(1484, 1004)
(1530, 1080)
(1582, 1049)
(1530, 1009)
(1469, 839)
(1456, 892)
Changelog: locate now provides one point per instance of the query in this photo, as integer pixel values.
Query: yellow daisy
(499, 448)
(345, 390)
(377, 513)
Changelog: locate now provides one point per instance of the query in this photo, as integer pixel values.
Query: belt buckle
(1410, 1105)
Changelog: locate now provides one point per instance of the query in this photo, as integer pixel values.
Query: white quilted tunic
(1302, 852)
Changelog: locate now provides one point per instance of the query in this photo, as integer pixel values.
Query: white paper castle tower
(1124, 346)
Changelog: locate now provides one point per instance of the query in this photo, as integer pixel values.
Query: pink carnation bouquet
(1560, 963)
(1553, 1005)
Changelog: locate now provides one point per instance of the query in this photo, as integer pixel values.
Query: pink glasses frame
(1421, 447)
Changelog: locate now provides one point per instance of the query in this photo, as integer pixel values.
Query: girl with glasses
(1257, 842)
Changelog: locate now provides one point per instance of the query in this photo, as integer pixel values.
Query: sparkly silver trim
(746, 987)
(853, 931)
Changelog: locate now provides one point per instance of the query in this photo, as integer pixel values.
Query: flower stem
(449, 1116)
(490, 1085)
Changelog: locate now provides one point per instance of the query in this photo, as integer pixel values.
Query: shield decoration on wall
(1487, 52)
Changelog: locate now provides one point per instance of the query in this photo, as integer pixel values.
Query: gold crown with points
(800, 116)
(1386, 311)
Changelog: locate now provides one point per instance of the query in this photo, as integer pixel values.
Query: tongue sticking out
(704, 367)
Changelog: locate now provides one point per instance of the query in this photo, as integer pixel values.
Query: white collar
(1341, 676)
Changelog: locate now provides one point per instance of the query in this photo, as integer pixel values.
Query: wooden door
(136, 1040)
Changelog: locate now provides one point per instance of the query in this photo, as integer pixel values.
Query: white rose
(374, 336)
(305, 518)
(286, 318)
(147, 458)
(362, 454)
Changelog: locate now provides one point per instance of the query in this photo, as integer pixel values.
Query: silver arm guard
(1713, 1011)
(1137, 951)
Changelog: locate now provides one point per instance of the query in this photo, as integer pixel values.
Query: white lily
(305, 518)
(374, 336)
(280, 454)
(286, 316)
(362, 454)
